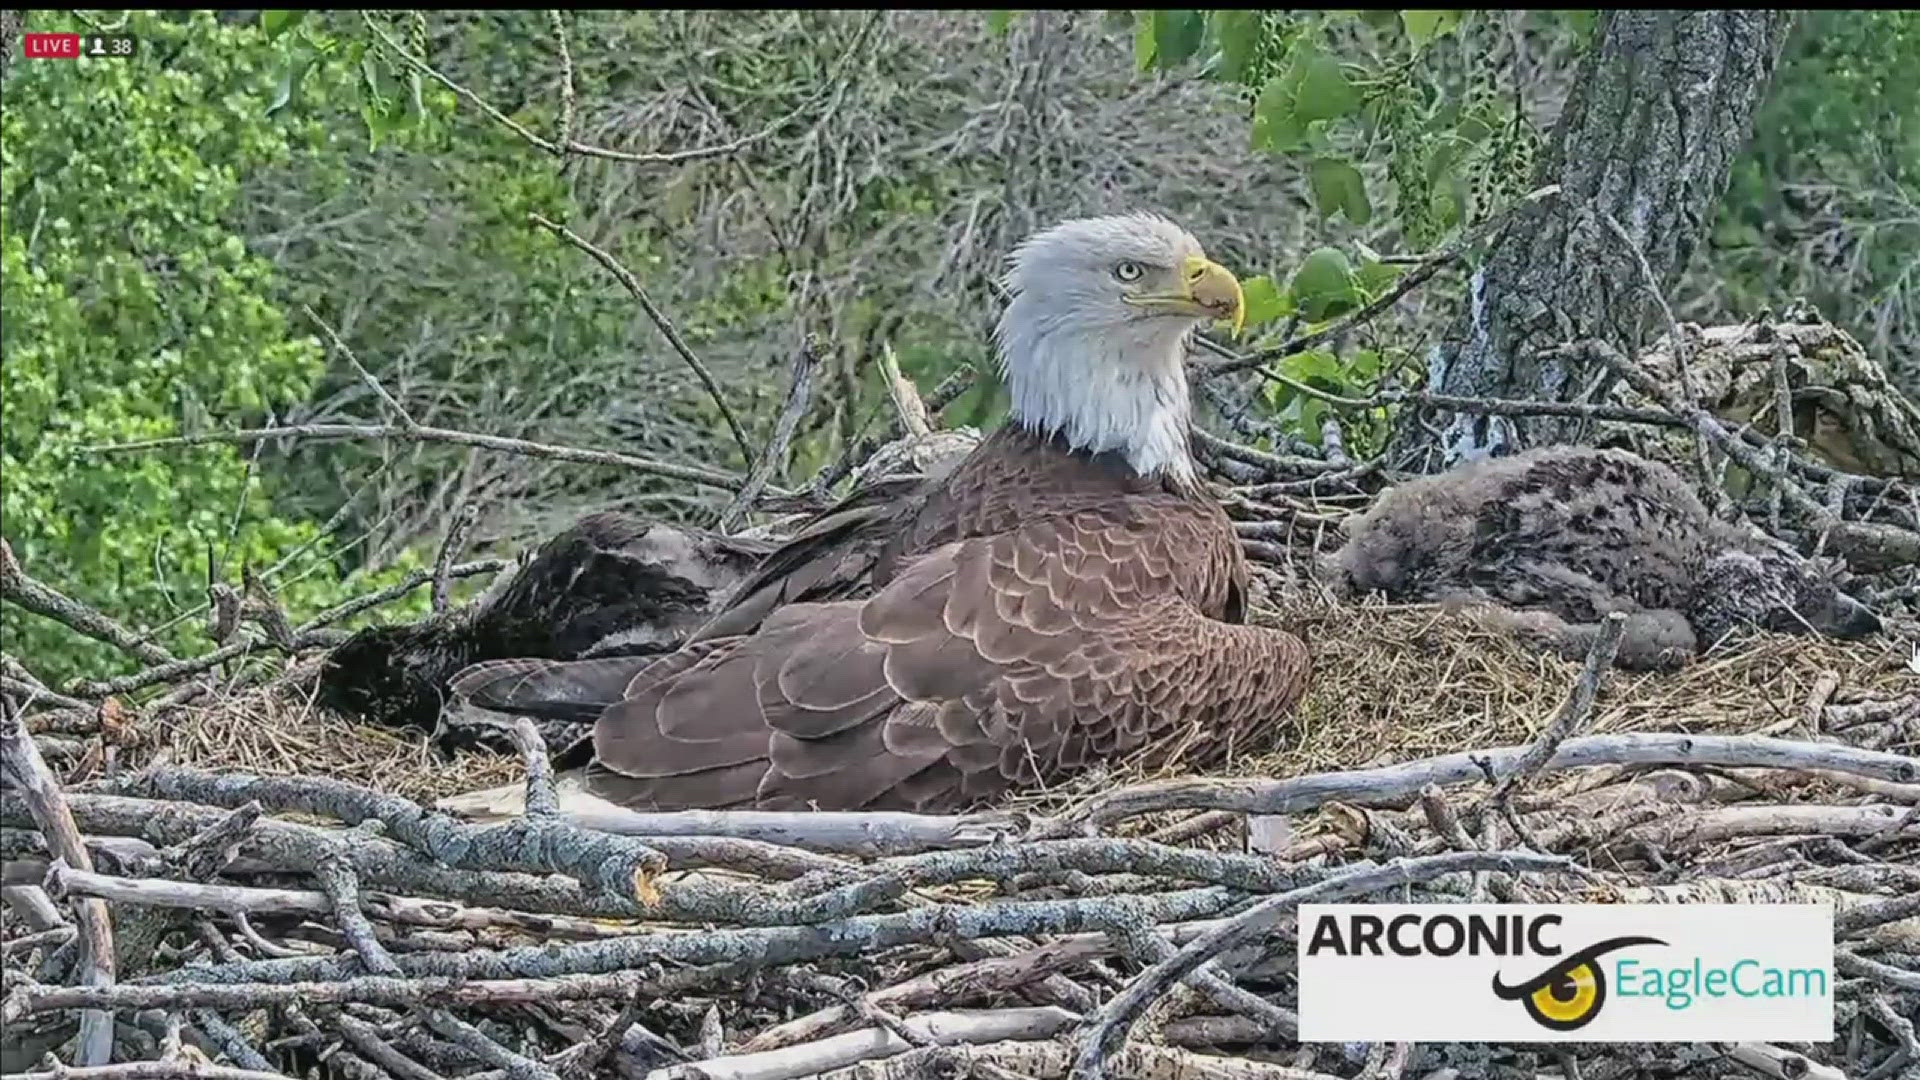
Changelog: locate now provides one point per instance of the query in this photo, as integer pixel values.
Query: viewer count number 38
(107, 45)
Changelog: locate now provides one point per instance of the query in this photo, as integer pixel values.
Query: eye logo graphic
(1569, 994)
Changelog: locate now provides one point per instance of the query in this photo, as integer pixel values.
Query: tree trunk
(1662, 104)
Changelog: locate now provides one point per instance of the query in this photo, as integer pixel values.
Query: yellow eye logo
(1569, 994)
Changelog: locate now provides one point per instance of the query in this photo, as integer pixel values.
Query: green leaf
(1324, 285)
(1275, 125)
(289, 86)
(1237, 31)
(1364, 364)
(276, 23)
(1324, 93)
(1375, 277)
(1264, 301)
(1424, 25)
(998, 22)
(1312, 364)
(1177, 36)
(1337, 186)
(1312, 412)
(1145, 42)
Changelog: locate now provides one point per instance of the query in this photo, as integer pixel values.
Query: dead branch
(1110, 1029)
(940, 1029)
(450, 549)
(806, 364)
(306, 635)
(30, 775)
(18, 587)
(660, 320)
(616, 865)
(1394, 784)
(693, 474)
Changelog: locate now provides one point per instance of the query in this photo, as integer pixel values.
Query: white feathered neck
(1100, 385)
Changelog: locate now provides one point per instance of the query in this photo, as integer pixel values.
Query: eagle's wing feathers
(987, 662)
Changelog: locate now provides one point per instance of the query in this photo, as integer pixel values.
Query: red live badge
(53, 46)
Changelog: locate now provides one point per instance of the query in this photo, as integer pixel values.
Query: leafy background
(169, 221)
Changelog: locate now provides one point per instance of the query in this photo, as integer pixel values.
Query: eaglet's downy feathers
(1548, 542)
(1067, 594)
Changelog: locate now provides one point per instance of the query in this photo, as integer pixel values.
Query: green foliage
(1338, 188)
(133, 311)
(1395, 121)
(1423, 26)
(1356, 93)
(1822, 205)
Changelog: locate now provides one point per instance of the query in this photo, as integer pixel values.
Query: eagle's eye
(1128, 271)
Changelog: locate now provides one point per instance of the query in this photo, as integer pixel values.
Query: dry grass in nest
(1395, 683)
(276, 729)
(1389, 684)
(1399, 683)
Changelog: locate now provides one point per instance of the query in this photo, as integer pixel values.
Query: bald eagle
(1065, 594)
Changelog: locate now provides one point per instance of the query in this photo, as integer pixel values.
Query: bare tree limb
(29, 773)
(660, 320)
(694, 474)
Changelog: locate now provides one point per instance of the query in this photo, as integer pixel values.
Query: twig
(841, 1050)
(1781, 1064)
(837, 832)
(475, 1040)
(693, 474)
(450, 549)
(1651, 284)
(661, 321)
(366, 989)
(1413, 279)
(1273, 463)
(806, 363)
(30, 694)
(306, 634)
(365, 1039)
(567, 106)
(761, 946)
(908, 408)
(1050, 1060)
(230, 1040)
(617, 865)
(950, 388)
(1572, 718)
(183, 1069)
(379, 391)
(543, 799)
(1393, 784)
(1852, 963)
(1586, 410)
(1110, 1028)
(573, 147)
(342, 887)
(17, 586)
(36, 783)
(244, 899)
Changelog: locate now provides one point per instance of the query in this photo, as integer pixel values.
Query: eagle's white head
(1093, 343)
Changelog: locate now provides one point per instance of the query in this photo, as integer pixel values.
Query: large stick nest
(278, 897)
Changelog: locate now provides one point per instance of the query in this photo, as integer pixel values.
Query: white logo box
(1725, 972)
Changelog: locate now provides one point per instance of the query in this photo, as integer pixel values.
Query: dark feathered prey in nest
(1548, 542)
(608, 585)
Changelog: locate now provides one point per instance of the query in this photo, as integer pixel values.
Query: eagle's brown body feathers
(1038, 612)
(1066, 595)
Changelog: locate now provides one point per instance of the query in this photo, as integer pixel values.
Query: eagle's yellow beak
(1214, 288)
(1205, 288)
